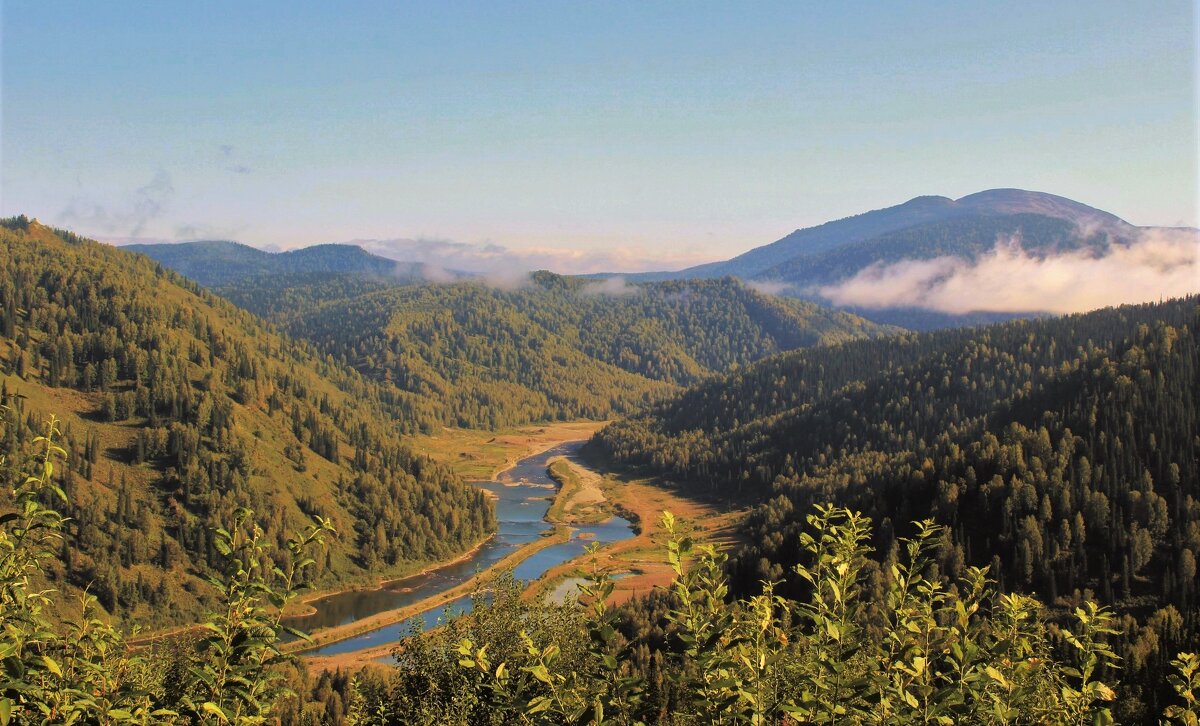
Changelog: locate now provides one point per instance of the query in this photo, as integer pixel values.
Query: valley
(604, 364)
(468, 442)
(541, 547)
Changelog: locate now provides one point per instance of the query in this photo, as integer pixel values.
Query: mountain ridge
(807, 241)
(221, 262)
(556, 347)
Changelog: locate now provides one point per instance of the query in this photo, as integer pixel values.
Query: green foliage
(1186, 682)
(82, 671)
(1062, 454)
(935, 651)
(53, 677)
(234, 675)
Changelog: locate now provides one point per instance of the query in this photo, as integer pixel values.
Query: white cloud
(611, 287)
(768, 287)
(490, 258)
(1161, 263)
(130, 218)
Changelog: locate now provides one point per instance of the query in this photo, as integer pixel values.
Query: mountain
(554, 348)
(785, 259)
(178, 408)
(808, 263)
(1064, 453)
(216, 263)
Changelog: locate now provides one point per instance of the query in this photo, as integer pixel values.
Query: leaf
(996, 675)
(214, 709)
(52, 666)
(538, 705)
(5, 711)
(539, 672)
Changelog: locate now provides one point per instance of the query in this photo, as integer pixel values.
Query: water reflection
(523, 496)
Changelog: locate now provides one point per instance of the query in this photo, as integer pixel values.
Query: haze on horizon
(616, 137)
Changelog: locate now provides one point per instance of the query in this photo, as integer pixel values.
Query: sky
(581, 136)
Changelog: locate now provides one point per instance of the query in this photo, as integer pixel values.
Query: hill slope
(179, 407)
(1063, 452)
(555, 348)
(216, 263)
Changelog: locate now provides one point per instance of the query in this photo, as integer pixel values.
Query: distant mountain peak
(923, 210)
(1023, 201)
(932, 201)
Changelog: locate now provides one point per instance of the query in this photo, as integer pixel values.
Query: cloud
(615, 286)
(768, 287)
(1160, 263)
(491, 259)
(229, 163)
(436, 274)
(186, 232)
(145, 204)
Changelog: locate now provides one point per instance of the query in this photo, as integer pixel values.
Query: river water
(522, 495)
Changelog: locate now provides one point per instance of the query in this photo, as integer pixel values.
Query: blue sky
(595, 134)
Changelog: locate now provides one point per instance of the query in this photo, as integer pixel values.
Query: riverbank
(641, 561)
(328, 636)
(580, 499)
(563, 523)
(484, 455)
(468, 452)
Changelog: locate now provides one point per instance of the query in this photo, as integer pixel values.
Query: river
(523, 495)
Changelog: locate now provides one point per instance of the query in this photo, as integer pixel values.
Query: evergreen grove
(932, 651)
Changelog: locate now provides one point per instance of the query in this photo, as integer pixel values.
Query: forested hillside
(178, 408)
(216, 262)
(1061, 452)
(555, 348)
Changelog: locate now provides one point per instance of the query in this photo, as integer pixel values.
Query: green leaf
(996, 675)
(214, 709)
(52, 666)
(538, 705)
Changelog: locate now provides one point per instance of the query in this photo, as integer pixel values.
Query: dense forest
(554, 348)
(178, 408)
(1062, 453)
(926, 653)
